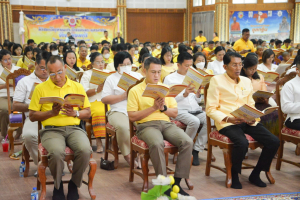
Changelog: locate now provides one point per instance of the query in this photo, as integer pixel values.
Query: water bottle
(34, 194)
(22, 169)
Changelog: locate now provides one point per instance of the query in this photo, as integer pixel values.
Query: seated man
(153, 124)
(61, 127)
(189, 111)
(290, 100)
(21, 103)
(226, 93)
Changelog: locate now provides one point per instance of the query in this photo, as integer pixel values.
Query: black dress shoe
(58, 194)
(72, 191)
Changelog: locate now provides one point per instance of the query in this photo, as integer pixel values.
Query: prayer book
(72, 74)
(260, 93)
(277, 51)
(203, 72)
(281, 68)
(4, 74)
(154, 91)
(268, 76)
(249, 113)
(126, 81)
(15, 59)
(196, 79)
(28, 61)
(99, 76)
(32, 89)
(290, 61)
(74, 100)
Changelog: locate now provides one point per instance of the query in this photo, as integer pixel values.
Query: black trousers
(236, 133)
(293, 125)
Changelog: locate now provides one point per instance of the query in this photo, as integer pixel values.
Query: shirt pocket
(243, 92)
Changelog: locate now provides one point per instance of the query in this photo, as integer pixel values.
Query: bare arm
(171, 112)
(42, 116)
(112, 99)
(20, 107)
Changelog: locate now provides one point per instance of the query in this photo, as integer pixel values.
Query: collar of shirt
(231, 80)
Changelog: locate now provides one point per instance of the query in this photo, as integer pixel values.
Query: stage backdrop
(48, 28)
(263, 25)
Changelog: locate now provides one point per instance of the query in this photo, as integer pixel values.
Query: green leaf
(155, 191)
(146, 196)
(165, 188)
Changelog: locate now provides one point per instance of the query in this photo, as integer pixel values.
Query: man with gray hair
(118, 39)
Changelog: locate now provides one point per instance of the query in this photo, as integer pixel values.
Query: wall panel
(155, 26)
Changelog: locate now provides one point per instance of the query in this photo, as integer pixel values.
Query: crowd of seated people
(236, 78)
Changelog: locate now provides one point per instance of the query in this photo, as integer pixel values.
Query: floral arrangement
(161, 185)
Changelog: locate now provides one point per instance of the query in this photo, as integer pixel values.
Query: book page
(28, 61)
(51, 100)
(194, 77)
(98, 76)
(281, 68)
(247, 112)
(203, 72)
(74, 100)
(270, 110)
(32, 89)
(175, 90)
(154, 91)
(15, 59)
(71, 73)
(206, 79)
(260, 93)
(126, 81)
(4, 74)
(269, 77)
(290, 61)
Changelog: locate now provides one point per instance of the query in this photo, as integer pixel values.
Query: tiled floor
(114, 185)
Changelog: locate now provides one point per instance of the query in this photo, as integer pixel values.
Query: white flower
(162, 198)
(161, 180)
(182, 197)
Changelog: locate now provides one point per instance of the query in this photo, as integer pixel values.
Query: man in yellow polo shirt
(243, 46)
(154, 126)
(210, 49)
(105, 37)
(200, 37)
(61, 127)
(82, 61)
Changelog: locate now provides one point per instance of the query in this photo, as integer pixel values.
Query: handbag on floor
(107, 165)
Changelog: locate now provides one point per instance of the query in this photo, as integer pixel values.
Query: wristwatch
(77, 113)
(165, 108)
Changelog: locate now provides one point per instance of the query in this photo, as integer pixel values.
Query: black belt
(46, 127)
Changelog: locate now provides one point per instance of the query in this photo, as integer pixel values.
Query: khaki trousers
(154, 133)
(30, 137)
(120, 122)
(55, 141)
(4, 120)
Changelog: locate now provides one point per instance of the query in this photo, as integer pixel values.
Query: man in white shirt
(290, 100)
(189, 111)
(6, 62)
(21, 103)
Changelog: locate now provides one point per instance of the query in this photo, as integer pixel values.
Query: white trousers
(30, 137)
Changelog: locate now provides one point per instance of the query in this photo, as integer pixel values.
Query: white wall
(156, 3)
(68, 3)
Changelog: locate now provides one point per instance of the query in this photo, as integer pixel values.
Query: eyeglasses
(58, 73)
(100, 63)
(43, 69)
(6, 60)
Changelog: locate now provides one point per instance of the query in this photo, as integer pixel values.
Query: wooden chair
(140, 147)
(111, 144)
(43, 164)
(15, 120)
(286, 134)
(218, 140)
(277, 61)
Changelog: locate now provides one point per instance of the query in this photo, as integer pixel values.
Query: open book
(295, 52)
(249, 113)
(268, 76)
(72, 74)
(277, 51)
(281, 68)
(98, 76)
(74, 100)
(32, 89)
(260, 93)
(202, 71)
(126, 81)
(4, 74)
(15, 59)
(290, 61)
(154, 91)
(28, 61)
(196, 79)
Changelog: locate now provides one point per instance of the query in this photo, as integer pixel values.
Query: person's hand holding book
(68, 110)
(189, 90)
(262, 100)
(234, 120)
(56, 107)
(84, 67)
(30, 67)
(198, 93)
(159, 103)
(100, 88)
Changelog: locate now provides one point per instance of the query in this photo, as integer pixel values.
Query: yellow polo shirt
(216, 39)
(157, 53)
(241, 44)
(200, 39)
(225, 96)
(284, 47)
(49, 89)
(165, 71)
(21, 64)
(104, 38)
(109, 60)
(80, 63)
(136, 102)
(209, 50)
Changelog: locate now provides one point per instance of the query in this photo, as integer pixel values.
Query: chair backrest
(16, 76)
(277, 61)
(279, 84)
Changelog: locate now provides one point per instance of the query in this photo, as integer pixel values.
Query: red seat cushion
(291, 132)
(222, 138)
(44, 152)
(179, 124)
(135, 140)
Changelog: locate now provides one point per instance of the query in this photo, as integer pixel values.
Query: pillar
(188, 20)
(122, 13)
(297, 23)
(222, 19)
(6, 27)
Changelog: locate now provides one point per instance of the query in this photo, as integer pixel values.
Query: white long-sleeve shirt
(189, 103)
(290, 99)
(264, 68)
(217, 67)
